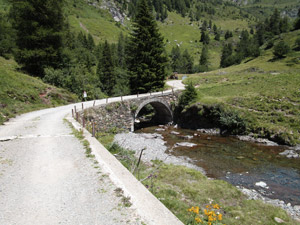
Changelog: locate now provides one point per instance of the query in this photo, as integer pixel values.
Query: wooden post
(150, 93)
(75, 108)
(93, 129)
(73, 113)
(162, 92)
(82, 105)
(94, 103)
(106, 100)
(137, 94)
(83, 122)
(173, 91)
(121, 98)
(77, 116)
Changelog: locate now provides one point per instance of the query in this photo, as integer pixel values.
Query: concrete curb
(151, 210)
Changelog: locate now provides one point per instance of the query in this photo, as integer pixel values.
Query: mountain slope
(20, 93)
(264, 91)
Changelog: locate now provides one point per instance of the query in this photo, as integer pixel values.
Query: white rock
(174, 132)
(261, 184)
(278, 220)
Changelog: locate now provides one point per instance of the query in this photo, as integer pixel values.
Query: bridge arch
(163, 112)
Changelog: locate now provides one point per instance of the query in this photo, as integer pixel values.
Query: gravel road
(45, 177)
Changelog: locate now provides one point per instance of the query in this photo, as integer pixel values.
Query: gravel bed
(155, 148)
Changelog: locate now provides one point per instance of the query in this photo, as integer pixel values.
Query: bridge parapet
(118, 116)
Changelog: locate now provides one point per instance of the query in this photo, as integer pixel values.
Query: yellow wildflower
(205, 212)
(220, 217)
(216, 206)
(196, 210)
(198, 220)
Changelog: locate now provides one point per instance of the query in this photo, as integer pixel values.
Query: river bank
(156, 148)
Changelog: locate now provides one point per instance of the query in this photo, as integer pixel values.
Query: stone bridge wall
(116, 116)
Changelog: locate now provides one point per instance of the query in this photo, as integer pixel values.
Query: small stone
(159, 129)
(278, 220)
(174, 132)
(288, 205)
(188, 137)
(240, 157)
(185, 144)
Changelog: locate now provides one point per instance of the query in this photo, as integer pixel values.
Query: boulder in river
(261, 184)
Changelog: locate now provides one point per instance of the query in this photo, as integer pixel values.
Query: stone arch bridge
(121, 115)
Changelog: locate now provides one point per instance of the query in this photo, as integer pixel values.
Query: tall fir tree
(187, 62)
(39, 25)
(106, 71)
(226, 57)
(146, 58)
(204, 58)
(297, 23)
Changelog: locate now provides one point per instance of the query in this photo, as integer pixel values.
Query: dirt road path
(45, 177)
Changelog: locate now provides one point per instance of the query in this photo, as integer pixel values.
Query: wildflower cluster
(212, 215)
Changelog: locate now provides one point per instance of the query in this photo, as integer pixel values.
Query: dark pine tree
(146, 58)
(226, 57)
(297, 23)
(105, 70)
(187, 62)
(204, 37)
(39, 26)
(204, 58)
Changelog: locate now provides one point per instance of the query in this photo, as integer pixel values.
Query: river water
(238, 162)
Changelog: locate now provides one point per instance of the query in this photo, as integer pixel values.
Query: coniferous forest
(38, 36)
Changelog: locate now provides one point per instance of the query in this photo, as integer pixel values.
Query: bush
(281, 49)
(188, 96)
(231, 122)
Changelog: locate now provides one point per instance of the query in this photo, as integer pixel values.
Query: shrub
(281, 49)
(188, 96)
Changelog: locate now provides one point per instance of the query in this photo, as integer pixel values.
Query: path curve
(45, 177)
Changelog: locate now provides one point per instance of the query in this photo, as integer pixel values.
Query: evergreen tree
(228, 34)
(284, 25)
(146, 59)
(204, 38)
(187, 62)
(297, 23)
(105, 71)
(274, 22)
(176, 59)
(39, 26)
(90, 42)
(204, 26)
(215, 29)
(188, 96)
(217, 36)
(297, 44)
(204, 58)
(226, 57)
(121, 55)
(7, 42)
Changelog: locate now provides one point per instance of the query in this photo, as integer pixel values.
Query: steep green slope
(20, 93)
(264, 91)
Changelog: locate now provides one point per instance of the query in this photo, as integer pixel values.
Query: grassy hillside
(20, 93)
(264, 91)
